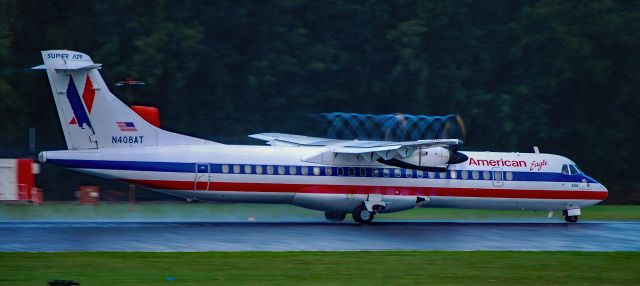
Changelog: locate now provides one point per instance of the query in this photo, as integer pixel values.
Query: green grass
(323, 268)
(241, 212)
(595, 213)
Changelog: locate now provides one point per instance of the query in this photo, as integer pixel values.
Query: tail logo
(80, 116)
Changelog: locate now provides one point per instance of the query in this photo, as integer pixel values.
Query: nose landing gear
(571, 218)
(571, 215)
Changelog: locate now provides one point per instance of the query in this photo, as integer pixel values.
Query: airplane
(129, 81)
(363, 178)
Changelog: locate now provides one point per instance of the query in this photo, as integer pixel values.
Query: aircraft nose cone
(606, 193)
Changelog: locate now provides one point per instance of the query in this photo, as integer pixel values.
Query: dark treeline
(563, 75)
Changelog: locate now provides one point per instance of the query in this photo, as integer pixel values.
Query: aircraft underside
(348, 203)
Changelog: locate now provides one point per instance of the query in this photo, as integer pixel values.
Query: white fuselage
(274, 174)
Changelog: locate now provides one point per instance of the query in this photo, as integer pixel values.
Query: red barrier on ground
(25, 179)
(88, 195)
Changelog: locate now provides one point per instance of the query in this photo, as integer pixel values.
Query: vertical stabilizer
(90, 115)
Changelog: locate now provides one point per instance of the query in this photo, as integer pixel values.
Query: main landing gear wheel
(334, 216)
(362, 215)
(571, 218)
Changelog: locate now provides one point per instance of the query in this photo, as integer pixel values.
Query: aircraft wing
(297, 140)
(389, 150)
(384, 149)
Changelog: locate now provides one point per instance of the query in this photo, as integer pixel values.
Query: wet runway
(240, 236)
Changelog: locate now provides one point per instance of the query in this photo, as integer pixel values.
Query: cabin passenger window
(258, 169)
(419, 174)
(376, 172)
(464, 175)
(475, 175)
(443, 175)
(565, 169)
(573, 169)
(340, 171)
(316, 171)
(509, 176)
(281, 170)
(363, 172)
(486, 175)
(454, 174)
(292, 170)
(431, 175)
(385, 172)
(497, 175)
(270, 170)
(328, 171)
(225, 168)
(236, 169)
(352, 172)
(247, 169)
(397, 173)
(409, 173)
(304, 170)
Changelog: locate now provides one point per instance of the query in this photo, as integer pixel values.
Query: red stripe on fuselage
(384, 190)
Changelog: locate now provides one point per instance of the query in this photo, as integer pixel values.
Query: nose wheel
(571, 218)
(571, 215)
(362, 215)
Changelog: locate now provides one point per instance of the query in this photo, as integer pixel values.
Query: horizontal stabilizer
(71, 66)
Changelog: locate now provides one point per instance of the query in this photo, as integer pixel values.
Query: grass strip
(262, 212)
(323, 268)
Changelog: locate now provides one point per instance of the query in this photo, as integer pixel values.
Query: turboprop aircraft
(106, 138)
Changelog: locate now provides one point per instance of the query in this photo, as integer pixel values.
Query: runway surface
(240, 236)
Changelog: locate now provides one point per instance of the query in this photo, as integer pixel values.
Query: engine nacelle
(437, 157)
(433, 159)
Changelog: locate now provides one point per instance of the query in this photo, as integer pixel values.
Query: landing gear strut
(334, 216)
(362, 215)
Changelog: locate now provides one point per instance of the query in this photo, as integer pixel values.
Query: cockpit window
(576, 166)
(565, 169)
(574, 169)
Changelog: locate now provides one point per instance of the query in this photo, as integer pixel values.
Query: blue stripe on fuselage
(179, 167)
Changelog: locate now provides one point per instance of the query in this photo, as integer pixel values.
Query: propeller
(456, 157)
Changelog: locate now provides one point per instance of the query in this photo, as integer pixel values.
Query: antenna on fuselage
(536, 150)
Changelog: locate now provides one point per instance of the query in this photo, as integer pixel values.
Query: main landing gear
(335, 216)
(362, 215)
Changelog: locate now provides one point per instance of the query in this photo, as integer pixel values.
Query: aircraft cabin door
(201, 179)
(498, 179)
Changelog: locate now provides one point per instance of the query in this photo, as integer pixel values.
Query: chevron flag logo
(80, 115)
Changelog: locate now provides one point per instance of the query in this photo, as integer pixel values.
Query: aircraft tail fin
(90, 115)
